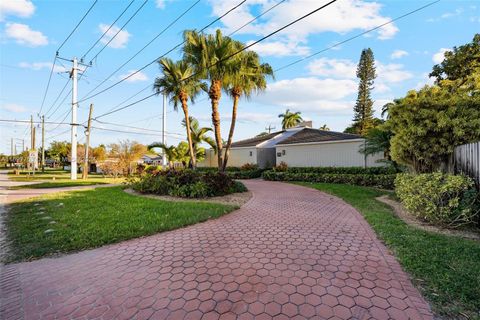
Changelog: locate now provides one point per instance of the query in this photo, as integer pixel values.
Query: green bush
(341, 170)
(385, 181)
(187, 184)
(443, 199)
(247, 171)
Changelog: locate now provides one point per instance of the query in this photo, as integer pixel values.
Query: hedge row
(342, 170)
(385, 181)
(236, 172)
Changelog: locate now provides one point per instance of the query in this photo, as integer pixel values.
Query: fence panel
(467, 160)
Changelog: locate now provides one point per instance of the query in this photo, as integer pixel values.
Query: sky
(323, 87)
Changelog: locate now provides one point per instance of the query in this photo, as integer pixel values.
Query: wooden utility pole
(87, 144)
(43, 143)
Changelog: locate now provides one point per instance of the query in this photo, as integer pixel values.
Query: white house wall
(238, 157)
(334, 154)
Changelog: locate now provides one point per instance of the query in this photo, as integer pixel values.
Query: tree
(325, 128)
(169, 151)
(363, 110)
(378, 140)
(59, 151)
(212, 57)
(428, 124)
(460, 69)
(180, 85)
(126, 152)
(248, 76)
(290, 119)
(199, 136)
(261, 134)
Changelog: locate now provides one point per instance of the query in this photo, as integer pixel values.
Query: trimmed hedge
(342, 170)
(385, 181)
(440, 198)
(236, 172)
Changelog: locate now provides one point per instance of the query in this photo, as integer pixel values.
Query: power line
(144, 47)
(228, 57)
(155, 60)
(356, 36)
(48, 83)
(132, 127)
(61, 92)
(106, 31)
(119, 30)
(78, 24)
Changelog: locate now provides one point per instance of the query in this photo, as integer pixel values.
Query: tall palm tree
(199, 135)
(211, 55)
(247, 76)
(290, 119)
(180, 84)
(168, 151)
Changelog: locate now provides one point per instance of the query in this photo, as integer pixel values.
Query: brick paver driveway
(291, 252)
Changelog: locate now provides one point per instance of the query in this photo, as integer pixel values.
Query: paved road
(289, 253)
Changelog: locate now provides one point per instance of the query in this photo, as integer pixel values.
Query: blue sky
(323, 88)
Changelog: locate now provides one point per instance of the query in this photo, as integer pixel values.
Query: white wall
(238, 157)
(331, 154)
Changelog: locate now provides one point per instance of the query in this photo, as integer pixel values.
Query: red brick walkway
(291, 252)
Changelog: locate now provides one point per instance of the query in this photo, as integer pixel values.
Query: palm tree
(247, 76)
(325, 128)
(179, 84)
(170, 152)
(290, 119)
(199, 135)
(212, 57)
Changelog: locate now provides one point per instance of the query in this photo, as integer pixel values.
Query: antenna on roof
(270, 128)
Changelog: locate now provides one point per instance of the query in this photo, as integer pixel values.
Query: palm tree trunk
(232, 129)
(189, 135)
(215, 93)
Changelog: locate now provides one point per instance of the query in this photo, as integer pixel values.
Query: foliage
(186, 183)
(385, 181)
(199, 136)
(281, 167)
(91, 218)
(428, 124)
(324, 127)
(247, 171)
(460, 69)
(111, 168)
(123, 155)
(180, 84)
(249, 166)
(439, 198)
(443, 267)
(59, 151)
(290, 119)
(363, 110)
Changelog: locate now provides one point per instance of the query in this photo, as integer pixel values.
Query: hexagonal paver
(289, 253)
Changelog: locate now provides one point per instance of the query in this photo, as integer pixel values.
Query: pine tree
(363, 110)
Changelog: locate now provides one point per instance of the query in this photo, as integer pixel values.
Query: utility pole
(87, 144)
(43, 143)
(73, 161)
(23, 145)
(270, 128)
(32, 135)
(11, 147)
(164, 120)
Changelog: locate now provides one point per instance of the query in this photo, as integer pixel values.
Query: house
(151, 159)
(299, 147)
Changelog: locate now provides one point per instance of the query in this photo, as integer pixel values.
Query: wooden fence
(466, 159)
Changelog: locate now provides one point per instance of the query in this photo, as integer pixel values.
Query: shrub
(282, 167)
(247, 171)
(187, 183)
(249, 167)
(444, 199)
(385, 181)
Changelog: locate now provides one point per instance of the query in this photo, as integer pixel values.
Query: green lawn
(55, 178)
(445, 268)
(91, 218)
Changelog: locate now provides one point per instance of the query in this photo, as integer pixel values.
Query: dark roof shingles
(316, 135)
(252, 142)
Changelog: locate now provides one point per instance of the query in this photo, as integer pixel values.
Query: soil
(236, 199)
(403, 214)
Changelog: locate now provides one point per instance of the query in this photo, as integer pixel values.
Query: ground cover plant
(91, 218)
(444, 268)
(187, 184)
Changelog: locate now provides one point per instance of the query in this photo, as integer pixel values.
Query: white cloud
(440, 55)
(277, 48)
(120, 40)
(137, 77)
(337, 68)
(160, 4)
(18, 8)
(12, 107)
(392, 72)
(426, 80)
(37, 66)
(24, 35)
(341, 17)
(397, 54)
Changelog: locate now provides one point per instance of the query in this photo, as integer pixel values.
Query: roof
(315, 135)
(252, 142)
(293, 136)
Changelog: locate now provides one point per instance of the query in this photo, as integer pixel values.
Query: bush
(282, 167)
(247, 171)
(187, 184)
(249, 167)
(444, 199)
(342, 170)
(385, 181)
